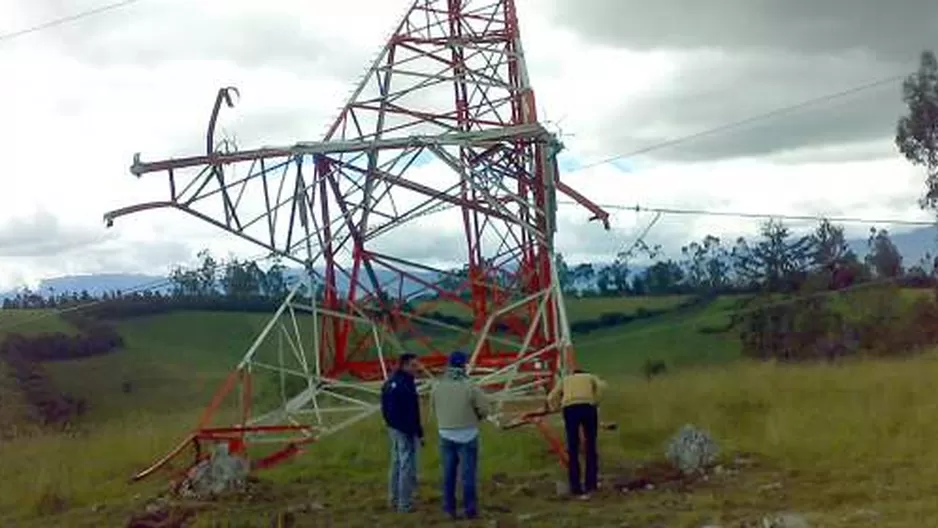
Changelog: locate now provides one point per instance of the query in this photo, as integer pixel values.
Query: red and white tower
(441, 129)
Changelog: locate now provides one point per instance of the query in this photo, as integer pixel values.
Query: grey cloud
(890, 30)
(44, 235)
(748, 57)
(718, 90)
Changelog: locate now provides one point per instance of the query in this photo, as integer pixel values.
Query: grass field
(850, 445)
(32, 322)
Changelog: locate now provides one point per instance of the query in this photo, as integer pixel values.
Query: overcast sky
(611, 76)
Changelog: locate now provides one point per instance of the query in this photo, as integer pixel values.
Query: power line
(735, 124)
(762, 216)
(70, 18)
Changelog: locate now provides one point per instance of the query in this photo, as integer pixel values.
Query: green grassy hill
(180, 358)
(14, 411)
(876, 456)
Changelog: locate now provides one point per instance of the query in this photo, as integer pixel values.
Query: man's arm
(415, 409)
(386, 402)
(599, 386)
(554, 398)
(481, 402)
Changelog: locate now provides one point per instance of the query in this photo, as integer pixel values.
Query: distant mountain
(912, 244)
(98, 284)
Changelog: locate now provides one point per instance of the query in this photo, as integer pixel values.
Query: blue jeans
(460, 458)
(402, 476)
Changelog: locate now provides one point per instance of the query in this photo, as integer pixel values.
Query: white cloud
(86, 96)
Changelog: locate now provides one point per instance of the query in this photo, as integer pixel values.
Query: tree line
(777, 260)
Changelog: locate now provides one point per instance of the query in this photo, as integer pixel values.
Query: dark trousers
(577, 418)
(460, 459)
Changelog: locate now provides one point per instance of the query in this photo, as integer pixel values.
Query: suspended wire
(63, 20)
(639, 242)
(762, 216)
(752, 119)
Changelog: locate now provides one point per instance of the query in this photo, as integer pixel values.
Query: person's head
(458, 360)
(408, 363)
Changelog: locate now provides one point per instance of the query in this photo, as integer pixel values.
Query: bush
(875, 321)
(653, 368)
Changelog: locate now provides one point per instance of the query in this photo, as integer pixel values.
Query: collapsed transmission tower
(442, 130)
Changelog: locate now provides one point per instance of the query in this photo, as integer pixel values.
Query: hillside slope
(875, 464)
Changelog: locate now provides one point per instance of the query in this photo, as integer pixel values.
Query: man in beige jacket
(578, 395)
(459, 407)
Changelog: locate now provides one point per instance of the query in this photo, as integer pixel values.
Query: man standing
(578, 395)
(400, 406)
(459, 406)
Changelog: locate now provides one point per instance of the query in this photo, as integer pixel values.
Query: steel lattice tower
(448, 91)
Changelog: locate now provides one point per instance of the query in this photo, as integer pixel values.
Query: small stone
(719, 470)
(524, 517)
(770, 487)
(649, 486)
(562, 488)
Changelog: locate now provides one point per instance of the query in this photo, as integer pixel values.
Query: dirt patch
(163, 514)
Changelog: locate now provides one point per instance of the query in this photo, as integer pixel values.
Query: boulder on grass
(692, 450)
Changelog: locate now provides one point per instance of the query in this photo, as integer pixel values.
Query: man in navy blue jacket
(400, 406)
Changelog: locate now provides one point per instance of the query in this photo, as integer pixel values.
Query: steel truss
(442, 126)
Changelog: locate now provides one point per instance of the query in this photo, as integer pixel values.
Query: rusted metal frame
(312, 148)
(271, 215)
(493, 105)
(386, 167)
(356, 261)
(429, 191)
(331, 297)
(421, 118)
(492, 9)
(294, 203)
(223, 95)
(513, 321)
(244, 185)
(598, 212)
(458, 167)
(219, 174)
(411, 214)
(392, 263)
(439, 77)
(198, 195)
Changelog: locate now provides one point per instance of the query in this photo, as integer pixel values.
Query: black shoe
(472, 515)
